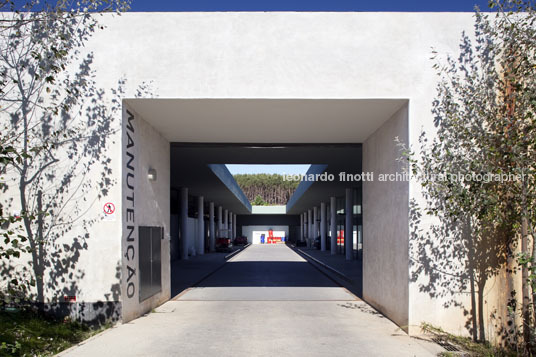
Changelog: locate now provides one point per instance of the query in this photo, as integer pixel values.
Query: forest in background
(266, 189)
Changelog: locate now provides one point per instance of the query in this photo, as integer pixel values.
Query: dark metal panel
(150, 261)
(144, 258)
(156, 260)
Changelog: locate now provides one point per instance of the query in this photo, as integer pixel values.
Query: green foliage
(48, 135)
(258, 201)
(466, 346)
(266, 189)
(24, 333)
(485, 123)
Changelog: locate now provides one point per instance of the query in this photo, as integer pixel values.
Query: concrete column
(220, 222)
(309, 227)
(301, 227)
(333, 219)
(225, 228)
(184, 223)
(200, 226)
(315, 223)
(348, 232)
(234, 225)
(323, 226)
(231, 226)
(211, 230)
(327, 225)
(304, 225)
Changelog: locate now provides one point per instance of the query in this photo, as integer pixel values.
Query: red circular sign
(109, 208)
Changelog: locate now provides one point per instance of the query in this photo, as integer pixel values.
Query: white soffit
(268, 209)
(266, 120)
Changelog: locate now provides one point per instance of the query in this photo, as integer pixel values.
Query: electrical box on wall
(150, 261)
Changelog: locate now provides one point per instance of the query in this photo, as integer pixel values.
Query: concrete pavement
(185, 273)
(337, 267)
(266, 301)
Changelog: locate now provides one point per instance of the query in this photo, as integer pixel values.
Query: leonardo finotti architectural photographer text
(404, 176)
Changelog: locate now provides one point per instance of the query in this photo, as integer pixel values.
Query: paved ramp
(267, 273)
(266, 301)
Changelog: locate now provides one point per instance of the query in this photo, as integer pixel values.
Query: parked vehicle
(240, 240)
(223, 244)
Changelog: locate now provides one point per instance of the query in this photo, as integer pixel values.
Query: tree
(273, 189)
(259, 201)
(477, 172)
(55, 126)
(515, 33)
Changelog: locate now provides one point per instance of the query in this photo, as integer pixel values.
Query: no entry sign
(109, 208)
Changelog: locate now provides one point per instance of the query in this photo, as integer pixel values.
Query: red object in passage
(340, 237)
(273, 240)
(223, 242)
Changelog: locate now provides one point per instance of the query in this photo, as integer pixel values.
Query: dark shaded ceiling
(189, 168)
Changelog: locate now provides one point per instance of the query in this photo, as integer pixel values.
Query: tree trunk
(525, 285)
(531, 233)
(473, 301)
(481, 325)
(40, 254)
(525, 272)
(471, 263)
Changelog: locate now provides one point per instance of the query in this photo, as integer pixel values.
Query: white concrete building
(331, 89)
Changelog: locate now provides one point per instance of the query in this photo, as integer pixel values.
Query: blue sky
(311, 5)
(268, 169)
(298, 5)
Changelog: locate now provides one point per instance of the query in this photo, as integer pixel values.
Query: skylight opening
(267, 185)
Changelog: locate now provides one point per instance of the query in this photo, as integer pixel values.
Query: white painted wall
(151, 208)
(288, 55)
(385, 223)
(94, 277)
(271, 55)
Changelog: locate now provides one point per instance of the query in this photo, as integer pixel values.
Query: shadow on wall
(62, 177)
(460, 237)
(95, 314)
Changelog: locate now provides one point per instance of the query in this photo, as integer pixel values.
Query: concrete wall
(385, 223)
(144, 203)
(292, 55)
(82, 244)
(273, 55)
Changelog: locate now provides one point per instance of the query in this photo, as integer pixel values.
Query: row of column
(309, 225)
(226, 227)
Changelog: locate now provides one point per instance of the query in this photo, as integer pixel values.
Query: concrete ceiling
(263, 131)
(189, 168)
(266, 120)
